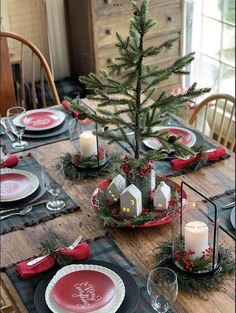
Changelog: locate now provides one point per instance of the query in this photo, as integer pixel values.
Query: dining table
(137, 244)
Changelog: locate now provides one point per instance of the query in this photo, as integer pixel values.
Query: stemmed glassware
(53, 182)
(4, 154)
(17, 128)
(162, 288)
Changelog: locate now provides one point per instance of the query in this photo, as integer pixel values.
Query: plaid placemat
(39, 213)
(102, 249)
(224, 214)
(163, 167)
(33, 142)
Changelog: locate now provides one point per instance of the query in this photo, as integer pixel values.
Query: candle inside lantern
(196, 237)
(88, 144)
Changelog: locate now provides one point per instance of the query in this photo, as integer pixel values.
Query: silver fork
(21, 212)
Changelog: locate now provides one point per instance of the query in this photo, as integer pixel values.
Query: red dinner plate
(17, 184)
(165, 219)
(13, 185)
(37, 120)
(86, 291)
(188, 138)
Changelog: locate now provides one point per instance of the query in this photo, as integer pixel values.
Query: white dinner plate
(232, 217)
(86, 290)
(40, 119)
(16, 184)
(188, 137)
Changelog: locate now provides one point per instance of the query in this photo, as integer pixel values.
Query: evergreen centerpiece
(124, 93)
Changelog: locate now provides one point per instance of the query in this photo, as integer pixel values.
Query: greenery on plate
(112, 215)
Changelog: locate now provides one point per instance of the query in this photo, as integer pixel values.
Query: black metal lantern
(195, 236)
(89, 150)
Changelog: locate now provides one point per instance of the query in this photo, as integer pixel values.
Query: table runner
(224, 214)
(163, 167)
(102, 249)
(39, 213)
(33, 143)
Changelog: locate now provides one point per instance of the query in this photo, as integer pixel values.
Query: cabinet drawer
(118, 7)
(168, 19)
(107, 54)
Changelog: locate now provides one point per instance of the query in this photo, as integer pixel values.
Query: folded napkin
(178, 164)
(80, 252)
(12, 160)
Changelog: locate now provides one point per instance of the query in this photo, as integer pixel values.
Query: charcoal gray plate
(48, 133)
(129, 304)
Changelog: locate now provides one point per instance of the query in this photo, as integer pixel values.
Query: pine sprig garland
(75, 174)
(126, 86)
(192, 284)
(51, 247)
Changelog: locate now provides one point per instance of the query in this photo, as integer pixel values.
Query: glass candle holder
(195, 237)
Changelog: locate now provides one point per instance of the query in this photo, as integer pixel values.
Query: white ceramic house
(131, 201)
(115, 188)
(162, 196)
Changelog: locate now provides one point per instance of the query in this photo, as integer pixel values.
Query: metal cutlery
(71, 247)
(18, 209)
(189, 156)
(21, 212)
(229, 206)
(74, 244)
(7, 131)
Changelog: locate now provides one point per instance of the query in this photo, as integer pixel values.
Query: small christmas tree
(126, 87)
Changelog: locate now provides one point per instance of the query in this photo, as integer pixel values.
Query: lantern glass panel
(88, 150)
(195, 237)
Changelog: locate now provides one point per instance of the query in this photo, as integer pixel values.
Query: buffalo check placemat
(102, 249)
(224, 214)
(39, 213)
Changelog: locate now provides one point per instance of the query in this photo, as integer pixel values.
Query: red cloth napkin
(12, 160)
(178, 164)
(80, 252)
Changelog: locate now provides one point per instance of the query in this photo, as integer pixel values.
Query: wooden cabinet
(92, 27)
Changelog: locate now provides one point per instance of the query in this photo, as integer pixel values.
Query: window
(210, 32)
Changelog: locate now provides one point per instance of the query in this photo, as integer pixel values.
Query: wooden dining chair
(218, 111)
(25, 74)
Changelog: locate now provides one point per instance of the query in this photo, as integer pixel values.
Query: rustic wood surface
(137, 244)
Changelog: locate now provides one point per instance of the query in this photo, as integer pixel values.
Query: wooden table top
(137, 244)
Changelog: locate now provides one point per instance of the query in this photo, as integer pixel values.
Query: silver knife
(40, 258)
(8, 133)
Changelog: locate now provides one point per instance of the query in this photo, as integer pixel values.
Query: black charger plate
(129, 304)
(48, 133)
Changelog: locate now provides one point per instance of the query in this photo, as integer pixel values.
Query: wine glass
(162, 288)
(18, 127)
(53, 183)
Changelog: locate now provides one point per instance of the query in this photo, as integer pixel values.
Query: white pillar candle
(196, 237)
(88, 144)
